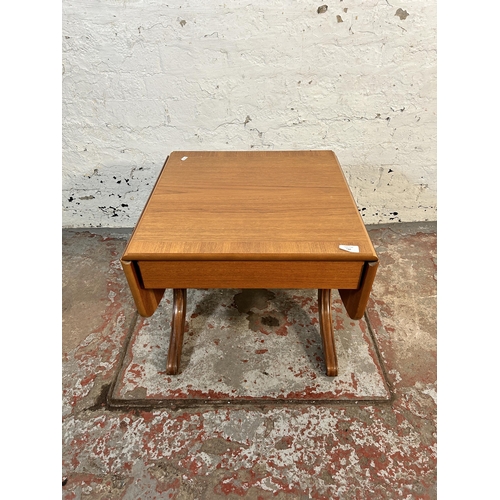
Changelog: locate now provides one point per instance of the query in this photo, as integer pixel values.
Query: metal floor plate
(249, 346)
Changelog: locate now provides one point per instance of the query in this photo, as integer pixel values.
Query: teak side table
(260, 219)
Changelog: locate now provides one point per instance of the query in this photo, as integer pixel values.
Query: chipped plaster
(142, 78)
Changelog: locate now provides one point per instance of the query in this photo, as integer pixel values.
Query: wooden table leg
(326, 329)
(177, 334)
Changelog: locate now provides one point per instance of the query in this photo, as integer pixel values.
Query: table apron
(251, 274)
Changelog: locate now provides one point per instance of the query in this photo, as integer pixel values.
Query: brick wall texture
(144, 78)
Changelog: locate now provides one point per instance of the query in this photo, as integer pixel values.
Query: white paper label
(350, 248)
(184, 158)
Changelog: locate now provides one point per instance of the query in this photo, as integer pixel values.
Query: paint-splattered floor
(251, 414)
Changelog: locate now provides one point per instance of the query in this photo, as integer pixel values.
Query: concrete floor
(349, 444)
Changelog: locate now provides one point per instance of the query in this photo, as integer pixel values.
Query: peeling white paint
(431, 391)
(144, 78)
(166, 436)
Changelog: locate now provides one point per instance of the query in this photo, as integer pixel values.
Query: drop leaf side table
(254, 219)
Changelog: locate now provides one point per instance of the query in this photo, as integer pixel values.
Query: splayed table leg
(326, 329)
(177, 334)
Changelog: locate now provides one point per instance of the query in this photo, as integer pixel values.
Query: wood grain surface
(177, 333)
(250, 274)
(146, 300)
(262, 205)
(326, 330)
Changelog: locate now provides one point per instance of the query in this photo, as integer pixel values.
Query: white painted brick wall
(144, 78)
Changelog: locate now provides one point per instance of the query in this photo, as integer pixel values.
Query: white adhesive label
(350, 248)
(184, 158)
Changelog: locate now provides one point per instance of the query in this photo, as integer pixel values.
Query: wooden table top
(258, 205)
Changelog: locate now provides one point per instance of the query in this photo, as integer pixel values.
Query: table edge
(327, 257)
